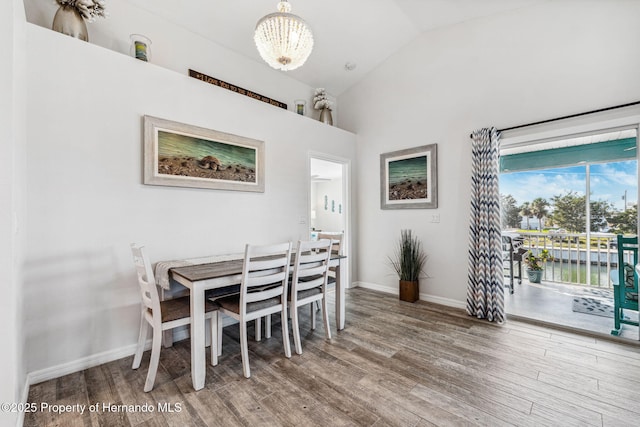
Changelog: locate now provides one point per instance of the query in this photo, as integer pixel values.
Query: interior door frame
(348, 206)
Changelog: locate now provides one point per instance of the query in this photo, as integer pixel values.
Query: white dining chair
(309, 285)
(163, 316)
(336, 241)
(337, 248)
(263, 291)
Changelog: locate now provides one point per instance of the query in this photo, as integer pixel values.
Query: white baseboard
(101, 358)
(377, 287)
(81, 364)
(423, 296)
(443, 301)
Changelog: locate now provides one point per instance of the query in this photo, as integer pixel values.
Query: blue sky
(608, 182)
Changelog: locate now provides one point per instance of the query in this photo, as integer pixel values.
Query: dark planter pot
(409, 290)
(535, 276)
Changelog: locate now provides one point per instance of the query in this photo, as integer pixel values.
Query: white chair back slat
(311, 271)
(264, 294)
(269, 279)
(312, 257)
(258, 264)
(303, 286)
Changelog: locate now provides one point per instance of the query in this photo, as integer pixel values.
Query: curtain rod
(567, 117)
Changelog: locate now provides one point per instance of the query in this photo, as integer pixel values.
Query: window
(579, 192)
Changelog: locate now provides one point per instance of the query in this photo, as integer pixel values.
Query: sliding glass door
(572, 197)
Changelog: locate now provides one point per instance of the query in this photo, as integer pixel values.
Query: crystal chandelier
(283, 39)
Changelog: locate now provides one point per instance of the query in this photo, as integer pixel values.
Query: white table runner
(162, 267)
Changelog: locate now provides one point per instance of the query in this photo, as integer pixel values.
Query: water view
(576, 274)
(175, 145)
(413, 169)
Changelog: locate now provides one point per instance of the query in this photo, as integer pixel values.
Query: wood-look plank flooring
(395, 364)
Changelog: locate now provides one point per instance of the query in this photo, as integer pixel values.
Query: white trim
(82, 364)
(23, 400)
(623, 118)
(87, 362)
(345, 269)
(423, 297)
(377, 287)
(443, 301)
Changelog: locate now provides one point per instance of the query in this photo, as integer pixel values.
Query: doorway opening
(570, 198)
(329, 199)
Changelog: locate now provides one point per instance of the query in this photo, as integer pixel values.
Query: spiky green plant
(409, 258)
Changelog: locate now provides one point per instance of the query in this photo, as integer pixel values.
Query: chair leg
(167, 338)
(214, 339)
(317, 305)
(285, 329)
(325, 317)
(259, 329)
(142, 338)
(155, 359)
(617, 311)
(244, 349)
(295, 326)
(267, 326)
(219, 335)
(313, 318)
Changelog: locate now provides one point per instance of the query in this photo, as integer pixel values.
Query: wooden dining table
(202, 277)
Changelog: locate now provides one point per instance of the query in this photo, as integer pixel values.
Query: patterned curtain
(485, 292)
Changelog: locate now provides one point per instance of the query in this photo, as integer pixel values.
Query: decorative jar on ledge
(325, 116)
(322, 103)
(69, 21)
(70, 17)
(140, 47)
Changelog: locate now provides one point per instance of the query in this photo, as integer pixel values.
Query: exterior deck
(550, 302)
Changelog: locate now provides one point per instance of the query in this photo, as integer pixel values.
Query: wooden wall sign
(233, 88)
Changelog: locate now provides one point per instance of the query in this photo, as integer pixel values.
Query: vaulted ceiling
(360, 32)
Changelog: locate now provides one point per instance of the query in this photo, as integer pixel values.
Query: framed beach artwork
(181, 155)
(409, 178)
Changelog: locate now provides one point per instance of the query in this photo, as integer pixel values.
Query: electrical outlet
(435, 218)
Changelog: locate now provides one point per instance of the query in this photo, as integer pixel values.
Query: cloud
(608, 182)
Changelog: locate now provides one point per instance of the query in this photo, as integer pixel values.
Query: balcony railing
(576, 260)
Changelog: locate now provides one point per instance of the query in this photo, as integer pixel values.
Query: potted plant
(408, 262)
(535, 264)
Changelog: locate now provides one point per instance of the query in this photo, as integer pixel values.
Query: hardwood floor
(395, 364)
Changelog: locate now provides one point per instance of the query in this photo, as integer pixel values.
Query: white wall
(86, 201)
(175, 48)
(535, 63)
(12, 137)
(328, 219)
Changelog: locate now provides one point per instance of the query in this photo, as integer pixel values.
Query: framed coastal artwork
(409, 178)
(181, 155)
